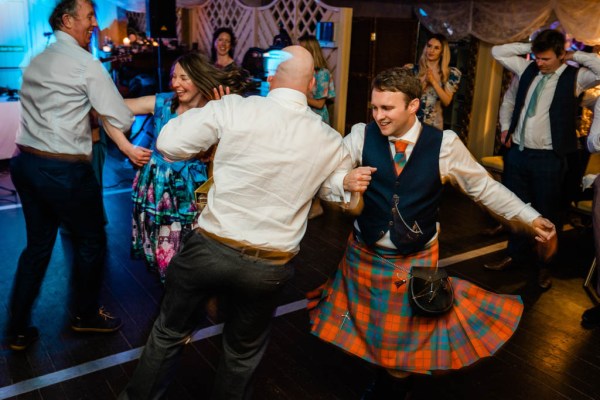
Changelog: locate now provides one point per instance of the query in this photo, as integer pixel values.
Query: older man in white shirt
(273, 155)
(53, 173)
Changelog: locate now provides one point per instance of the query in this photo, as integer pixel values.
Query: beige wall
(486, 99)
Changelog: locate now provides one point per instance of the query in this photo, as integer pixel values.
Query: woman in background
(164, 207)
(317, 99)
(223, 46)
(439, 80)
(324, 88)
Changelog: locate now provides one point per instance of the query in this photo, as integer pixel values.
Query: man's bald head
(296, 72)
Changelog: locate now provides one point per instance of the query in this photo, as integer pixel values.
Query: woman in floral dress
(438, 79)
(164, 207)
(324, 88)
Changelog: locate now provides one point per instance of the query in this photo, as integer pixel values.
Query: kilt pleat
(364, 312)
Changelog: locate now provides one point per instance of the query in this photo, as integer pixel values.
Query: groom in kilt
(401, 167)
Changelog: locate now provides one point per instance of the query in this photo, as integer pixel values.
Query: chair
(588, 278)
(585, 207)
(495, 166)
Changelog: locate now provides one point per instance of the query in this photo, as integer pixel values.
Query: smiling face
(391, 113)
(81, 25)
(547, 61)
(223, 44)
(433, 50)
(183, 86)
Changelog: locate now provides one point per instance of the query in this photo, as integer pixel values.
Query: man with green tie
(542, 135)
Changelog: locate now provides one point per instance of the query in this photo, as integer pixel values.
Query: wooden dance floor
(550, 357)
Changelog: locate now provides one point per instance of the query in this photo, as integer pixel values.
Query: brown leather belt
(55, 156)
(269, 256)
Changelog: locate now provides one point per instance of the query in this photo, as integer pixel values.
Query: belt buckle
(251, 251)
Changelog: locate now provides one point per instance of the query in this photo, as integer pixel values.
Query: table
(10, 119)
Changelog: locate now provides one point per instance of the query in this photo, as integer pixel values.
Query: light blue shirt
(60, 86)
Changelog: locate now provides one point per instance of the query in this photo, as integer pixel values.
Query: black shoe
(369, 393)
(102, 322)
(591, 317)
(387, 387)
(501, 265)
(496, 230)
(543, 279)
(21, 342)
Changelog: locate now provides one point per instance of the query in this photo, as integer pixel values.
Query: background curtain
(140, 5)
(503, 21)
(493, 21)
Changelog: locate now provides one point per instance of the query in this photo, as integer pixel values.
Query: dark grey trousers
(251, 288)
(55, 192)
(596, 226)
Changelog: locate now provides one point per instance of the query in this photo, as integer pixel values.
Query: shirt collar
(411, 136)
(65, 37)
(559, 70)
(287, 95)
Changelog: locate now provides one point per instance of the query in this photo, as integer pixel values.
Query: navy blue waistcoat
(563, 109)
(407, 204)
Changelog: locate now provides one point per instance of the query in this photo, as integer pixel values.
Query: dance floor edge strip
(116, 359)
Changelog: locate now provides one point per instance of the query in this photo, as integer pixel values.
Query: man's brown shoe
(499, 265)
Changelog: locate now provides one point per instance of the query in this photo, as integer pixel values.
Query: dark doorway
(377, 44)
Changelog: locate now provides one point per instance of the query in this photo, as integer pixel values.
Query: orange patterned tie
(400, 157)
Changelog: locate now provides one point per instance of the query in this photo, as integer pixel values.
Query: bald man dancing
(273, 155)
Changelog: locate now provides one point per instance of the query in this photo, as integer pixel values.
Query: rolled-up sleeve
(589, 75)
(333, 188)
(190, 133)
(105, 98)
(508, 104)
(593, 139)
(509, 55)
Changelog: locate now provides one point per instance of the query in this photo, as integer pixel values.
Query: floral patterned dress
(431, 111)
(324, 89)
(163, 199)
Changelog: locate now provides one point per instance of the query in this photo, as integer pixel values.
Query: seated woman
(439, 80)
(223, 46)
(163, 191)
(324, 89)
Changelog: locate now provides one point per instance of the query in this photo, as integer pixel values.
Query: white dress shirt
(273, 155)
(508, 105)
(593, 139)
(537, 128)
(458, 167)
(60, 86)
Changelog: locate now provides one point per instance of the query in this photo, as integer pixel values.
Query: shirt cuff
(528, 214)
